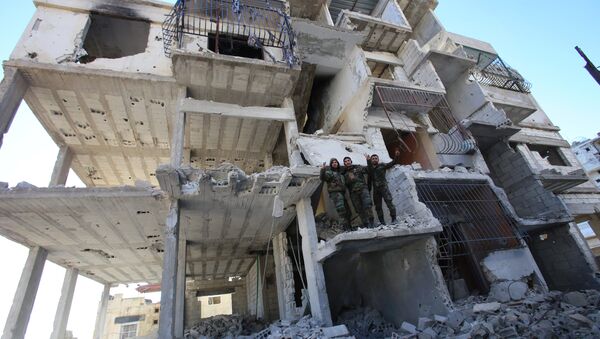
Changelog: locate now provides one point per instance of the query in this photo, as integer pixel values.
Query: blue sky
(535, 37)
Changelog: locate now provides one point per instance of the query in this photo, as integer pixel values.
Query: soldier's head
(374, 159)
(334, 164)
(347, 162)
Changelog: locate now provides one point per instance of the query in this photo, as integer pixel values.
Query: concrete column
(64, 304)
(317, 291)
(291, 135)
(279, 275)
(180, 292)
(20, 311)
(178, 133)
(12, 91)
(101, 313)
(61, 167)
(168, 295)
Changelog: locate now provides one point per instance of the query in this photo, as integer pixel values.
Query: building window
(128, 331)
(156, 310)
(551, 153)
(214, 300)
(155, 322)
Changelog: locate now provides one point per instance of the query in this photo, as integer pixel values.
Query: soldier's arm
(324, 176)
(395, 160)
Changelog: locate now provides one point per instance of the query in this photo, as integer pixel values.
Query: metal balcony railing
(262, 23)
(500, 75)
(454, 138)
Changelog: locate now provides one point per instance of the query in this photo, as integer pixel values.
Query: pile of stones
(367, 323)
(224, 326)
(328, 228)
(304, 328)
(550, 315)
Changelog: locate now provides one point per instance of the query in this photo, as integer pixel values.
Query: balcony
(385, 29)
(248, 28)
(497, 74)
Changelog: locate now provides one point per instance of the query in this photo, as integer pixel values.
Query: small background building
(130, 317)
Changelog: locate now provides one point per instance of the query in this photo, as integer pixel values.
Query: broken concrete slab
(575, 298)
(514, 264)
(487, 307)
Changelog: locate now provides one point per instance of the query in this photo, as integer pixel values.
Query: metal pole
(589, 66)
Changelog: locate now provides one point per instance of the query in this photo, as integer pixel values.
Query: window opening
(128, 331)
(114, 37)
(551, 153)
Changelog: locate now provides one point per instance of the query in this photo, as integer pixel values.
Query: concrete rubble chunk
(336, 331)
(440, 318)
(23, 185)
(487, 307)
(575, 298)
(3, 185)
(424, 323)
(455, 319)
(408, 327)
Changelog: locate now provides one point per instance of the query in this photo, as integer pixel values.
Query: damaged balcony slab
(320, 149)
(116, 124)
(234, 80)
(382, 238)
(227, 215)
(380, 35)
(112, 235)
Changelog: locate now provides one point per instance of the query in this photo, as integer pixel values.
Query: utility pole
(595, 73)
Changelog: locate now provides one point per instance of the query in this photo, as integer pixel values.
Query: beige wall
(119, 307)
(207, 310)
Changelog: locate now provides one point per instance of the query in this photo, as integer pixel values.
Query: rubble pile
(551, 315)
(306, 327)
(224, 326)
(367, 323)
(328, 228)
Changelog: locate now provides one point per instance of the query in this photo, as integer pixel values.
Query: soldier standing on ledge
(356, 181)
(380, 187)
(336, 187)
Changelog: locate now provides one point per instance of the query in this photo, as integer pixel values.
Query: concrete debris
(368, 323)
(306, 327)
(550, 315)
(224, 326)
(328, 228)
(23, 185)
(506, 291)
(3, 185)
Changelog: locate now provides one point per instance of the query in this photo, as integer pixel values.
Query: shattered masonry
(199, 134)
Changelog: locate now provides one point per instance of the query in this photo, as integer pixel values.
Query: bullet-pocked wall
(402, 284)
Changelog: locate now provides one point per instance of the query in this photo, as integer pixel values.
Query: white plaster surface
(319, 150)
(512, 264)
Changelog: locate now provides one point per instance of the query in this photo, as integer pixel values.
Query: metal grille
(473, 219)
(263, 23)
(499, 74)
(407, 100)
(455, 138)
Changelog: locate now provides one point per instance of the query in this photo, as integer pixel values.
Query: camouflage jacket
(377, 173)
(334, 179)
(356, 177)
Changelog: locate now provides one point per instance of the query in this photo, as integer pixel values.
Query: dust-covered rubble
(306, 327)
(328, 228)
(224, 326)
(551, 315)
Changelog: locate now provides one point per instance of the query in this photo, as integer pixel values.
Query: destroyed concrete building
(199, 129)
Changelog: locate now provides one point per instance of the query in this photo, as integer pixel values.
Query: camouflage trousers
(362, 205)
(380, 193)
(339, 202)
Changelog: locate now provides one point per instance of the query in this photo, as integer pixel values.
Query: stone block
(575, 298)
(486, 307)
(408, 327)
(424, 323)
(336, 331)
(440, 319)
(455, 319)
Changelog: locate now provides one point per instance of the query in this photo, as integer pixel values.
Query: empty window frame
(551, 153)
(214, 300)
(381, 70)
(233, 45)
(128, 331)
(114, 37)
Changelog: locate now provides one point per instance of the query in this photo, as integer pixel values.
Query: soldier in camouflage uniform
(356, 181)
(336, 187)
(380, 187)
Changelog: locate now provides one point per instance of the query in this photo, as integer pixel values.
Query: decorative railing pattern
(262, 23)
(499, 74)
